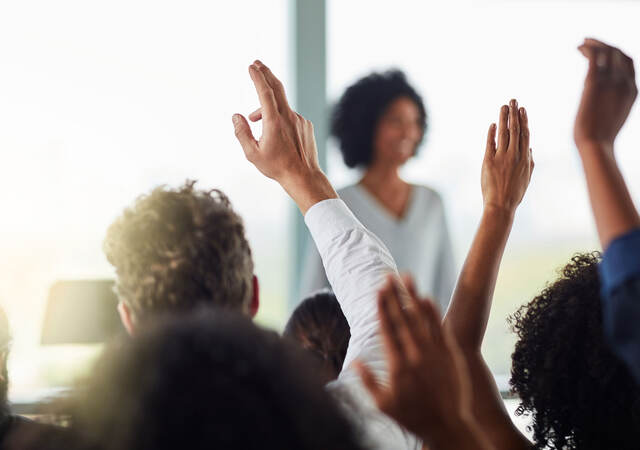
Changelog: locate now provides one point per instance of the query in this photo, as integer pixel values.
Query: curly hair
(209, 379)
(358, 112)
(319, 326)
(579, 394)
(175, 249)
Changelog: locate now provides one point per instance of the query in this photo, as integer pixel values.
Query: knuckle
(293, 117)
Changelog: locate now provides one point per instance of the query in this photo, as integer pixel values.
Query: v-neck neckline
(388, 215)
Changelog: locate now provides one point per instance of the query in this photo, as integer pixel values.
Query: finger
(503, 129)
(619, 67)
(265, 93)
(256, 115)
(532, 163)
(630, 67)
(369, 380)
(411, 330)
(245, 136)
(524, 131)
(390, 337)
(590, 54)
(490, 151)
(514, 127)
(624, 65)
(591, 42)
(276, 85)
(408, 282)
(432, 318)
(398, 320)
(420, 329)
(602, 61)
(594, 44)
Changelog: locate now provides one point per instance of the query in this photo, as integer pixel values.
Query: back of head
(579, 394)
(319, 326)
(207, 380)
(176, 249)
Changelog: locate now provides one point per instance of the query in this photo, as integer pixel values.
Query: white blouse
(419, 241)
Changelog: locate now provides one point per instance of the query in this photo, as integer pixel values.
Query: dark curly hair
(209, 379)
(319, 326)
(579, 394)
(174, 249)
(357, 113)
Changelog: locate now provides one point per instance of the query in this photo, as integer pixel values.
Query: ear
(126, 317)
(255, 299)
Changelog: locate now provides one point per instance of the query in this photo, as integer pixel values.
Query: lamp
(81, 312)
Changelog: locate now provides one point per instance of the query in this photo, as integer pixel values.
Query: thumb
(245, 136)
(256, 115)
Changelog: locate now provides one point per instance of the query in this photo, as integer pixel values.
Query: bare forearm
(460, 434)
(613, 209)
(471, 302)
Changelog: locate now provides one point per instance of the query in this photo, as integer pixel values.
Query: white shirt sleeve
(357, 264)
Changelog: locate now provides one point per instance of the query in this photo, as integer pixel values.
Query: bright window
(100, 102)
(467, 58)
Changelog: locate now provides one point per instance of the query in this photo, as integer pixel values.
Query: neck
(381, 175)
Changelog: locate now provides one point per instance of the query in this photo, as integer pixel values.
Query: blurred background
(102, 101)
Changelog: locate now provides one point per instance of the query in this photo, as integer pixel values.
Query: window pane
(102, 102)
(467, 58)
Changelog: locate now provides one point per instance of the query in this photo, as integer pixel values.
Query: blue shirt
(620, 280)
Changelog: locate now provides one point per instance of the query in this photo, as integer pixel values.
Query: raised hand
(507, 166)
(429, 390)
(608, 95)
(506, 172)
(286, 151)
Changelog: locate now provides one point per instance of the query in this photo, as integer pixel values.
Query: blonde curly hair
(177, 249)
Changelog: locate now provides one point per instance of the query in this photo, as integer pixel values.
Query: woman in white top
(379, 123)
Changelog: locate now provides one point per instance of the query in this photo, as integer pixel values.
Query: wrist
(308, 188)
(591, 146)
(458, 432)
(500, 211)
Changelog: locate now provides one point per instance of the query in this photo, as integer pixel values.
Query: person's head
(210, 379)
(319, 326)
(380, 119)
(579, 394)
(176, 249)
